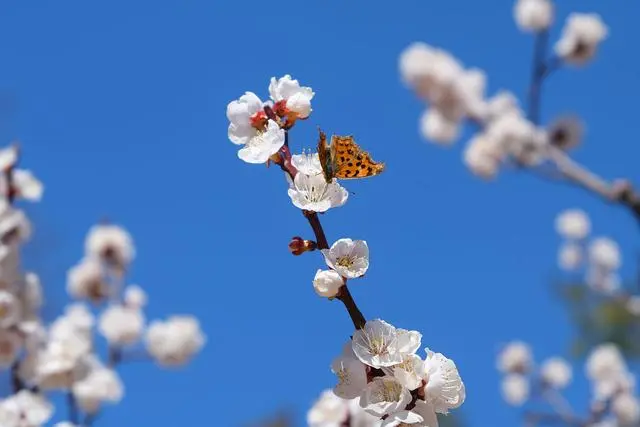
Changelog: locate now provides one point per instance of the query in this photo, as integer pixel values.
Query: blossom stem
(538, 73)
(16, 382)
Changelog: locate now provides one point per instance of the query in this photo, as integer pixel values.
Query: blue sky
(120, 109)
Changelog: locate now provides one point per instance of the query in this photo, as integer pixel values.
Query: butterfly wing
(324, 154)
(350, 161)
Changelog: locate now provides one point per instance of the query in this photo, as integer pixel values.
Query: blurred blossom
(570, 256)
(515, 389)
(605, 253)
(111, 243)
(328, 410)
(581, 36)
(573, 224)
(121, 325)
(174, 341)
(25, 409)
(604, 281)
(556, 372)
(515, 357)
(533, 15)
(566, 132)
(605, 362)
(436, 127)
(135, 297)
(626, 408)
(633, 305)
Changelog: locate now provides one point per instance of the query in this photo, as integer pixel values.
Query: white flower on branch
(581, 36)
(352, 376)
(569, 256)
(135, 297)
(307, 163)
(483, 156)
(313, 193)
(32, 293)
(444, 388)
(328, 411)
(26, 185)
(25, 409)
(10, 309)
(376, 344)
(86, 280)
(8, 157)
(251, 128)
(327, 283)
(384, 395)
(350, 258)
(121, 325)
(515, 389)
(515, 357)
(603, 280)
(297, 98)
(573, 224)
(519, 138)
(604, 253)
(556, 372)
(174, 341)
(626, 408)
(605, 362)
(436, 127)
(15, 228)
(440, 79)
(410, 372)
(110, 243)
(403, 418)
(501, 104)
(99, 386)
(10, 346)
(533, 15)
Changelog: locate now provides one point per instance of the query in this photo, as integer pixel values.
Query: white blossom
(121, 325)
(32, 292)
(573, 224)
(500, 104)
(605, 362)
(359, 418)
(633, 305)
(376, 344)
(86, 280)
(616, 382)
(328, 411)
(352, 376)
(402, 418)
(556, 372)
(436, 127)
(483, 155)
(408, 341)
(135, 297)
(515, 389)
(307, 163)
(26, 185)
(100, 385)
(515, 357)
(410, 372)
(111, 243)
(569, 256)
(603, 280)
(262, 146)
(626, 408)
(444, 388)
(384, 395)
(327, 283)
(581, 36)
(519, 138)
(10, 309)
(25, 409)
(64, 424)
(605, 253)
(313, 193)
(297, 98)
(533, 15)
(15, 229)
(350, 258)
(8, 157)
(174, 341)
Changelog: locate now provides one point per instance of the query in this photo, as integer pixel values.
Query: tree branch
(538, 73)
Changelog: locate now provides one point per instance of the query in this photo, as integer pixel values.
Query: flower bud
(298, 246)
(327, 283)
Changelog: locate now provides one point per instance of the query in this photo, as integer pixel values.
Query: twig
(72, 408)
(538, 74)
(16, 382)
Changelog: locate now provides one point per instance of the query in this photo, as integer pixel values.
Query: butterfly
(344, 159)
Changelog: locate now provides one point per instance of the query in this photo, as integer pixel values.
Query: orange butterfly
(344, 159)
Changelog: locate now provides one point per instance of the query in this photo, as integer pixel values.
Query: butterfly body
(344, 159)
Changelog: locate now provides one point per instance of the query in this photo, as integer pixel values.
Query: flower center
(389, 391)
(378, 346)
(344, 261)
(259, 120)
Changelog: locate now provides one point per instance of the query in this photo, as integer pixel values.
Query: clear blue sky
(120, 107)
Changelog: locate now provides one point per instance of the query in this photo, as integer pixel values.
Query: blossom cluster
(380, 372)
(505, 133)
(64, 355)
(614, 399)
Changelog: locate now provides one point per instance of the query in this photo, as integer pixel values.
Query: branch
(344, 295)
(538, 73)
